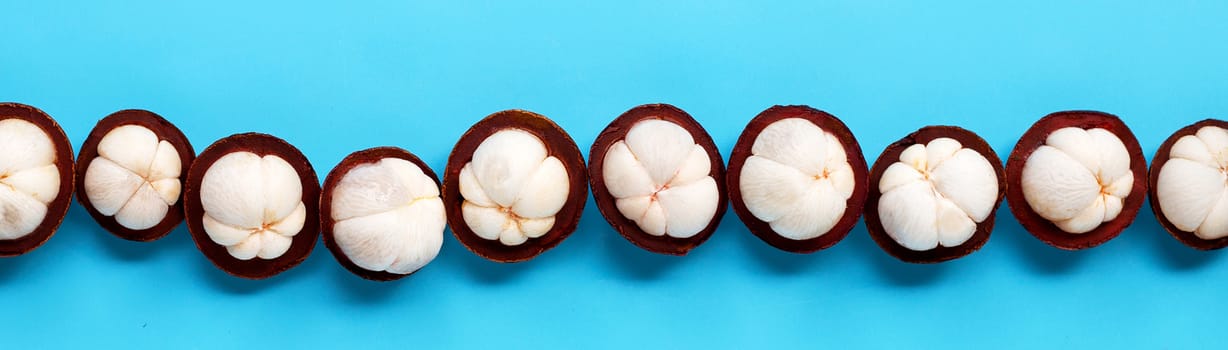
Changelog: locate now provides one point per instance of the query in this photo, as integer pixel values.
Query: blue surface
(335, 78)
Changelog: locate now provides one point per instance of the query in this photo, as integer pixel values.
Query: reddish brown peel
(165, 132)
(1157, 162)
(890, 155)
(617, 130)
(367, 156)
(261, 145)
(742, 151)
(57, 209)
(558, 144)
(1035, 137)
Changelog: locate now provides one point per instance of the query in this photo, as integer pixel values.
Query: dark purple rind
(57, 209)
(891, 155)
(558, 144)
(1045, 230)
(366, 156)
(1157, 162)
(262, 145)
(165, 131)
(617, 130)
(852, 150)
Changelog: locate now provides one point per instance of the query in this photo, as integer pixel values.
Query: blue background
(334, 78)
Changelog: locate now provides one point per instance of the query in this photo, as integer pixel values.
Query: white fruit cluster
(1078, 179)
(135, 177)
(936, 194)
(661, 179)
(512, 188)
(797, 179)
(389, 216)
(253, 205)
(1192, 186)
(28, 175)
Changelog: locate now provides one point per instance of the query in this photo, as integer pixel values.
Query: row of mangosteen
(516, 184)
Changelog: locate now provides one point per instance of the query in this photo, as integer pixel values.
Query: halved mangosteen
(130, 174)
(514, 186)
(797, 178)
(381, 214)
(1076, 179)
(658, 179)
(251, 202)
(36, 170)
(934, 194)
(1189, 195)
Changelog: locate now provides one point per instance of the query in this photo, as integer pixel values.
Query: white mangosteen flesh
(661, 179)
(1192, 187)
(388, 216)
(797, 179)
(253, 205)
(135, 177)
(512, 188)
(28, 175)
(1078, 179)
(936, 194)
